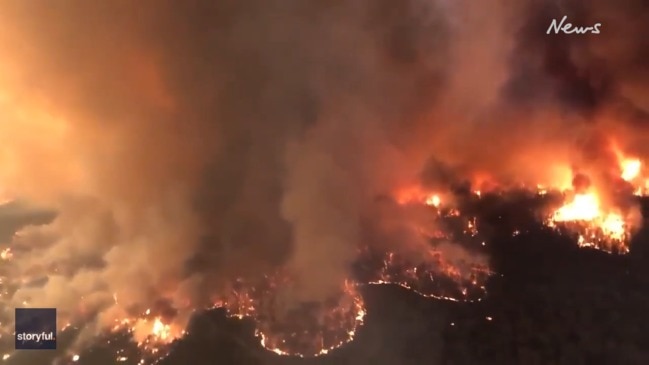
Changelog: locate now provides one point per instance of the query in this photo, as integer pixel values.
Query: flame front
(417, 195)
(314, 329)
(583, 207)
(630, 169)
(596, 228)
(605, 227)
(305, 329)
(160, 330)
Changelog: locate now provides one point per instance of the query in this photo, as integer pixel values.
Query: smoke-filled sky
(184, 144)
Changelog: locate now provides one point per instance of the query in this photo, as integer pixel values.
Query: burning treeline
(250, 155)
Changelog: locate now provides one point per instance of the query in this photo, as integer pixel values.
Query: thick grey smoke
(185, 144)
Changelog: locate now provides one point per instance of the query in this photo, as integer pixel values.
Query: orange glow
(642, 189)
(152, 335)
(433, 200)
(630, 169)
(416, 195)
(323, 329)
(596, 227)
(583, 207)
(5, 254)
(160, 330)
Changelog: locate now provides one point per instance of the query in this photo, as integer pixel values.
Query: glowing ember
(541, 190)
(433, 200)
(471, 228)
(642, 190)
(5, 254)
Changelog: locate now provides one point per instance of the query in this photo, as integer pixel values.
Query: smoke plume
(187, 144)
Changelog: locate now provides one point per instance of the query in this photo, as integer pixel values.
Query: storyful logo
(557, 27)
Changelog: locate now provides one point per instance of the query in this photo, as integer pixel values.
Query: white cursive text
(568, 28)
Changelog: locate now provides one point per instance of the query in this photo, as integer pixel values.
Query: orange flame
(630, 169)
(596, 228)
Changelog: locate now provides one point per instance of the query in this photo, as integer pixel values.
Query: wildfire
(314, 329)
(152, 334)
(155, 333)
(317, 329)
(598, 226)
(642, 190)
(427, 272)
(434, 277)
(6, 254)
(583, 207)
(630, 169)
(304, 329)
(433, 200)
(160, 330)
(595, 228)
(417, 195)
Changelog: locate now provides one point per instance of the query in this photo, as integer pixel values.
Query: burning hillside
(273, 158)
(433, 270)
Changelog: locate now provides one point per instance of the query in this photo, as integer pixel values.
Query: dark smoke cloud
(187, 144)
